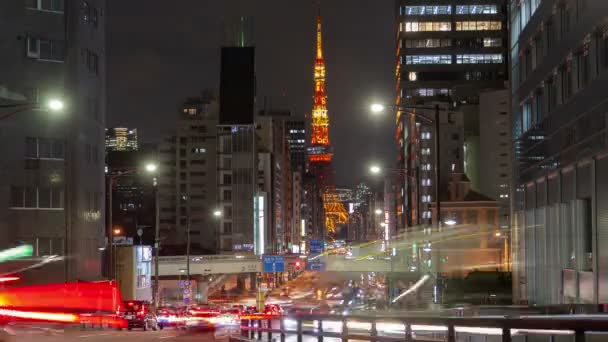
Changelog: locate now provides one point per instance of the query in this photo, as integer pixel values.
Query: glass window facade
(478, 26)
(476, 9)
(426, 10)
(427, 26)
(479, 59)
(428, 59)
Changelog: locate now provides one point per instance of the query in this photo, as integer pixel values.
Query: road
(37, 335)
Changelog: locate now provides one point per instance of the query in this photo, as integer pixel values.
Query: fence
(367, 328)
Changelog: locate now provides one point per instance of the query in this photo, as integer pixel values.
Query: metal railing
(370, 328)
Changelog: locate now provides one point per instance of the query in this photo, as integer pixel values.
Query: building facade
(296, 141)
(121, 139)
(442, 47)
(188, 178)
(53, 184)
(559, 57)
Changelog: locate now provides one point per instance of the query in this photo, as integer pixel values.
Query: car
(169, 317)
(138, 315)
(273, 310)
(201, 318)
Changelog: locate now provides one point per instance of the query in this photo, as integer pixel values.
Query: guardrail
(368, 328)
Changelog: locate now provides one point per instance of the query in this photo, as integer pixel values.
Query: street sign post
(274, 263)
(316, 246)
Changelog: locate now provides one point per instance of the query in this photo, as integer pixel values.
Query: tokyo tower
(320, 151)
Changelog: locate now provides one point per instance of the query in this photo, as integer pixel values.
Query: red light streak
(42, 316)
(5, 279)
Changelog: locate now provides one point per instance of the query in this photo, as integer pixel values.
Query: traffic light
(297, 265)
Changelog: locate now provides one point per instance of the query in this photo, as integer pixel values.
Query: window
(44, 148)
(197, 162)
(425, 135)
(45, 5)
(427, 43)
(45, 49)
(412, 76)
(94, 18)
(226, 179)
(426, 198)
(227, 227)
(564, 19)
(479, 59)
(426, 167)
(428, 26)
(36, 198)
(478, 25)
(492, 42)
(476, 9)
(426, 182)
(227, 194)
(428, 59)
(426, 10)
(199, 150)
(551, 94)
(427, 92)
(583, 68)
(566, 76)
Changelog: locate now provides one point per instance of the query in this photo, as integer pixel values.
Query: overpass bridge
(175, 266)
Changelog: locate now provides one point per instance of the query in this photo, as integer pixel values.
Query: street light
(151, 167)
(378, 212)
(217, 213)
(117, 231)
(377, 108)
(55, 105)
(375, 169)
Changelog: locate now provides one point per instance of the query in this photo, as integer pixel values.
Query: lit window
(426, 214)
(427, 92)
(478, 25)
(426, 167)
(191, 111)
(425, 135)
(492, 42)
(476, 9)
(427, 43)
(428, 59)
(412, 76)
(426, 182)
(494, 58)
(428, 26)
(426, 10)
(425, 151)
(426, 198)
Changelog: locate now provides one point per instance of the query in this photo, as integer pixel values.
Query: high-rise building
(296, 141)
(52, 184)
(559, 54)
(188, 178)
(447, 52)
(121, 139)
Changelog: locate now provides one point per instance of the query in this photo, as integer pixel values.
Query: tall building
(188, 178)
(52, 182)
(559, 54)
(320, 151)
(272, 139)
(495, 152)
(236, 154)
(296, 135)
(446, 53)
(121, 139)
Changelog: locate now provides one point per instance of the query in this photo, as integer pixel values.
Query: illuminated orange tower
(320, 152)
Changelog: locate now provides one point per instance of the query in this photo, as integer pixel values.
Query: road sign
(317, 246)
(274, 263)
(315, 265)
(123, 241)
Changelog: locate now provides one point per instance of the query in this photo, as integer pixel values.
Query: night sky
(160, 52)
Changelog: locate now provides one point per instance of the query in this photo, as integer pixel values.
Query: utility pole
(155, 288)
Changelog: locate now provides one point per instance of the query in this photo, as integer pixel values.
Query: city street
(115, 336)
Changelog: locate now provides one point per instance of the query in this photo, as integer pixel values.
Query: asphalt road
(45, 335)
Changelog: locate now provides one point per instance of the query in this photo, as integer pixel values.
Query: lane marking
(93, 335)
(171, 336)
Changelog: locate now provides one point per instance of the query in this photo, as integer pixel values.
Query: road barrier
(372, 328)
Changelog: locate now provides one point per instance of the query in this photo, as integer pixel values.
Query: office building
(52, 188)
(121, 139)
(296, 140)
(559, 53)
(447, 52)
(188, 179)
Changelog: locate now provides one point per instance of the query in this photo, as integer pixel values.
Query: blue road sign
(315, 264)
(317, 246)
(274, 263)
